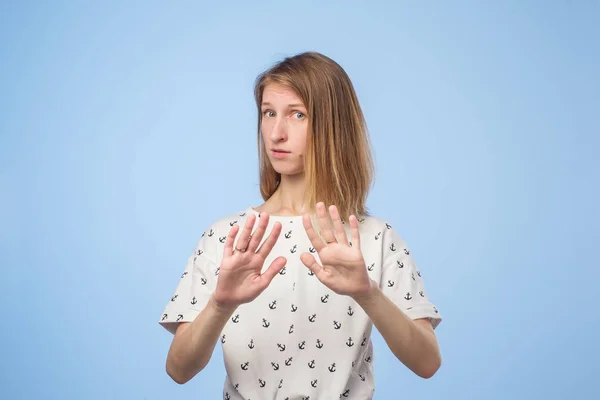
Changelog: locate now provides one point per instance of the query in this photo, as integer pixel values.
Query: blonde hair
(338, 164)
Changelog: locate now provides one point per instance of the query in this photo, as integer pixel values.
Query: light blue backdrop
(127, 127)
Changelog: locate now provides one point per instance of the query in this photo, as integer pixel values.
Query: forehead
(278, 94)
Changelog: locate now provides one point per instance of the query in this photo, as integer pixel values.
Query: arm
(194, 343)
(413, 342)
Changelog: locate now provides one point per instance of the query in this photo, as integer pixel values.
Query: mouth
(279, 154)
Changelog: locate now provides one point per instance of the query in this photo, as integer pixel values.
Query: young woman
(292, 288)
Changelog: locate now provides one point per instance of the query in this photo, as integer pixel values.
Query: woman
(292, 288)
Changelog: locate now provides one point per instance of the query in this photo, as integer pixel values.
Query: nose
(278, 130)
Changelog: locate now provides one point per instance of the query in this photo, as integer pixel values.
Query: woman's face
(284, 126)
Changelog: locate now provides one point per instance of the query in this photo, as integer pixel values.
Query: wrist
(368, 294)
(220, 308)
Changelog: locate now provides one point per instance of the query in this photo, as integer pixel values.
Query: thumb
(310, 262)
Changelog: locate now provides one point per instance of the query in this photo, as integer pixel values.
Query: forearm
(413, 345)
(192, 348)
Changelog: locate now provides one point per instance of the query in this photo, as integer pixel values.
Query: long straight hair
(338, 163)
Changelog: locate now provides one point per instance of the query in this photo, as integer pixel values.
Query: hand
(344, 270)
(240, 279)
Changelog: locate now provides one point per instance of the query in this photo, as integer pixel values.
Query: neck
(289, 196)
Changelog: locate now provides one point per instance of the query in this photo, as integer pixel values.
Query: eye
(299, 115)
(268, 113)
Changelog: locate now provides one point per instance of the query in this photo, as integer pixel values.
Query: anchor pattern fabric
(299, 339)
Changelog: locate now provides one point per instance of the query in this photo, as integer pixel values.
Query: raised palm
(240, 278)
(342, 267)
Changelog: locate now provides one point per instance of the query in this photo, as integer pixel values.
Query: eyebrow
(295, 105)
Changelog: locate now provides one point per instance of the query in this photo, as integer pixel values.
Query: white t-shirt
(299, 340)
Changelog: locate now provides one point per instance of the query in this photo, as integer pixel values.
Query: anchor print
(223, 338)
(236, 386)
(294, 308)
(337, 325)
(388, 226)
(273, 305)
(293, 249)
(227, 396)
(368, 359)
(362, 378)
(288, 362)
(310, 273)
(400, 264)
(311, 364)
(301, 345)
(222, 239)
(203, 281)
(378, 236)
(421, 293)
(235, 319)
(360, 220)
(319, 344)
(266, 324)
(281, 346)
(324, 298)
(280, 384)
(370, 267)
(364, 341)
(349, 342)
(275, 366)
(346, 393)
(244, 366)
(184, 274)
(288, 235)
(232, 223)
(390, 283)
(291, 329)
(179, 317)
(282, 271)
(242, 214)
(217, 271)
(306, 398)
(174, 297)
(406, 251)
(350, 311)
(164, 316)
(261, 383)
(251, 344)
(393, 247)
(313, 383)
(194, 301)
(211, 233)
(408, 296)
(312, 318)
(412, 275)
(331, 368)
(312, 249)
(419, 273)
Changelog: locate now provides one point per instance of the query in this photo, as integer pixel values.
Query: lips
(279, 151)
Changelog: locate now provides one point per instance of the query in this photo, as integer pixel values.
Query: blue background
(127, 127)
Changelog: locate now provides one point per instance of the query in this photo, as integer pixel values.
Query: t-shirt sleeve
(195, 286)
(402, 281)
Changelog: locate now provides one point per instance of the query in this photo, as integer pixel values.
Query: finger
(228, 250)
(258, 234)
(354, 231)
(268, 244)
(326, 231)
(316, 241)
(242, 242)
(311, 263)
(340, 232)
(270, 273)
